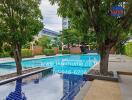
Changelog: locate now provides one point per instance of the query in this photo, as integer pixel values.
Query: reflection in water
(71, 85)
(17, 94)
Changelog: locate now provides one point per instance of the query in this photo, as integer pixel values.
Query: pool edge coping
(2, 82)
(43, 57)
(33, 58)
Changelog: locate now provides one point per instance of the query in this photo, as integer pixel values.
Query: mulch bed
(7, 76)
(97, 72)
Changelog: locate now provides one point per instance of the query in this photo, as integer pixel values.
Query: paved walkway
(103, 90)
(119, 63)
(126, 86)
(9, 59)
(122, 63)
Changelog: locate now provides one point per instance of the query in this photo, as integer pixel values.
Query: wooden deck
(103, 90)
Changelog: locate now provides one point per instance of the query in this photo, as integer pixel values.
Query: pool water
(69, 64)
(63, 84)
(39, 87)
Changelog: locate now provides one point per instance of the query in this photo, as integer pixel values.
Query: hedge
(4, 54)
(48, 52)
(128, 49)
(26, 53)
(64, 51)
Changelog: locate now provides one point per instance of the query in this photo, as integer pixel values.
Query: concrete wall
(75, 50)
(56, 50)
(37, 50)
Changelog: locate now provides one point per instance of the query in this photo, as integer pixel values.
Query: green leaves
(19, 20)
(127, 49)
(71, 36)
(87, 14)
(45, 42)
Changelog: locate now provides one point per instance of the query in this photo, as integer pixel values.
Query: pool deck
(119, 63)
(9, 59)
(116, 63)
(103, 90)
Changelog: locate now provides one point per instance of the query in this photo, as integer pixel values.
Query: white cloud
(51, 19)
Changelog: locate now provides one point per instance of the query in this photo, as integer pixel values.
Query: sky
(49, 13)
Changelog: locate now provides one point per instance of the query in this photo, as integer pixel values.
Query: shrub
(64, 51)
(26, 53)
(49, 52)
(4, 54)
(128, 49)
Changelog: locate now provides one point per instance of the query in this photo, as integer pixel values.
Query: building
(65, 23)
(45, 32)
(129, 39)
(48, 32)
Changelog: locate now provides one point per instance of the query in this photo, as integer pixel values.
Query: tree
(96, 15)
(71, 37)
(56, 42)
(19, 22)
(89, 38)
(45, 42)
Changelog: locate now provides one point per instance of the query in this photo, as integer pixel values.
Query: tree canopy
(19, 20)
(71, 37)
(86, 14)
(74, 37)
(45, 42)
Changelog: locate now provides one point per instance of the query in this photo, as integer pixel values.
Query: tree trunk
(17, 57)
(68, 45)
(104, 53)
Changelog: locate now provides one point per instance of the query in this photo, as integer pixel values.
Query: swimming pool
(68, 64)
(63, 84)
(39, 87)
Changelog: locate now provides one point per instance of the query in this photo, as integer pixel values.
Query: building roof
(49, 32)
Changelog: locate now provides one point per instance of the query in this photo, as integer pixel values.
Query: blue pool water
(63, 84)
(69, 64)
(39, 87)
